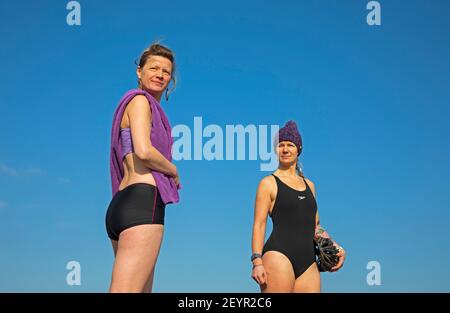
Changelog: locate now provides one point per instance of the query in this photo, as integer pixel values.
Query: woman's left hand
(341, 254)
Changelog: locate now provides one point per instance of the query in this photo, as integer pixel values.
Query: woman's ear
(138, 72)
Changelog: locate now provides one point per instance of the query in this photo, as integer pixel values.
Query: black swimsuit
(294, 220)
(136, 204)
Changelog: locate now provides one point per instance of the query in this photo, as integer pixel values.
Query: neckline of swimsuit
(306, 185)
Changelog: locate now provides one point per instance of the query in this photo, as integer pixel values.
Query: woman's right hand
(175, 176)
(259, 274)
(177, 180)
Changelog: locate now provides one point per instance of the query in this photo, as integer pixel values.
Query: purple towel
(161, 137)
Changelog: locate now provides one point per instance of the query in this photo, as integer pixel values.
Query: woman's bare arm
(139, 115)
(262, 205)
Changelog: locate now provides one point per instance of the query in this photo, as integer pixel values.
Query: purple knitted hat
(289, 133)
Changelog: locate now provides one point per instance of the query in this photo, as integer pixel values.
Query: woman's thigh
(280, 274)
(309, 281)
(137, 252)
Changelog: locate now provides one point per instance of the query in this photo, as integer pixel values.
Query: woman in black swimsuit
(286, 262)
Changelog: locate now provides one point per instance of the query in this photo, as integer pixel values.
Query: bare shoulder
(139, 102)
(311, 185)
(267, 185)
(309, 182)
(138, 106)
(137, 109)
(268, 181)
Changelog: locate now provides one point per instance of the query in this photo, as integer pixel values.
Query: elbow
(143, 153)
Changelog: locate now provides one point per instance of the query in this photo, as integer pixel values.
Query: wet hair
(299, 169)
(157, 49)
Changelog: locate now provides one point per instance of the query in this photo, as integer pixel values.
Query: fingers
(259, 279)
(340, 263)
(263, 278)
(259, 276)
(254, 276)
(256, 279)
(338, 266)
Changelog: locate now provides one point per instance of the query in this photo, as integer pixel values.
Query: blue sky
(372, 104)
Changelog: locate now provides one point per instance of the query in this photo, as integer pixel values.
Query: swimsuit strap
(307, 186)
(305, 182)
(277, 179)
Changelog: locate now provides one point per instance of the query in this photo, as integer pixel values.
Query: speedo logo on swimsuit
(301, 197)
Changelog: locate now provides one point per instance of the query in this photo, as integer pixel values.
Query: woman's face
(287, 152)
(155, 75)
